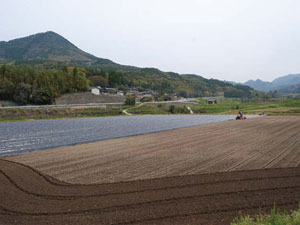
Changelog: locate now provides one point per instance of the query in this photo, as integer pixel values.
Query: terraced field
(201, 175)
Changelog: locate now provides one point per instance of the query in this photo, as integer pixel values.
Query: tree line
(37, 85)
(29, 85)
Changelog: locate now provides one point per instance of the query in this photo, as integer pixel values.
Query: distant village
(145, 96)
(141, 96)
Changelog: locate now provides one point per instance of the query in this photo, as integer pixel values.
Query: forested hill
(46, 46)
(53, 52)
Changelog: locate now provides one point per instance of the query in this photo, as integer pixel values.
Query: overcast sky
(233, 40)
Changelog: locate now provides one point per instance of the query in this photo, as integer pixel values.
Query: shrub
(178, 109)
(130, 100)
(276, 217)
(147, 99)
(172, 109)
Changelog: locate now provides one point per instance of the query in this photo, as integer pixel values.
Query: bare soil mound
(30, 197)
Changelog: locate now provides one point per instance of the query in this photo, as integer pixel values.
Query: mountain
(231, 82)
(49, 50)
(259, 85)
(47, 46)
(285, 84)
(293, 89)
(288, 80)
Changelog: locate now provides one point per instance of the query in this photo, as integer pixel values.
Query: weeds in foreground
(276, 217)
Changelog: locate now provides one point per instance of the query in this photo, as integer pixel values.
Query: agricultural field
(29, 197)
(225, 106)
(274, 106)
(208, 174)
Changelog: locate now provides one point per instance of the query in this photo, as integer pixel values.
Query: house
(120, 93)
(104, 91)
(130, 93)
(212, 102)
(111, 90)
(95, 91)
(133, 89)
(140, 94)
(167, 97)
(147, 96)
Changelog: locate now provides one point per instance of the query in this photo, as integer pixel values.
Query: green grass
(226, 106)
(149, 109)
(276, 217)
(232, 106)
(21, 114)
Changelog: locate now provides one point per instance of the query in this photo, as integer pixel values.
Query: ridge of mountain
(51, 50)
(46, 46)
(280, 84)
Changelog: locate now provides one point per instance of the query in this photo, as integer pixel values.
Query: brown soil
(29, 197)
(190, 192)
(268, 142)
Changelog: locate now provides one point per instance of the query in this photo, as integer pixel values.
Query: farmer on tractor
(240, 116)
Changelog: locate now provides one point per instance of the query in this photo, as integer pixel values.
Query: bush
(276, 217)
(178, 109)
(172, 109)
(130, 100)
(147, 99)
(42, 96)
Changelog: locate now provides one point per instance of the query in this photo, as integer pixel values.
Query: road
(189, 100)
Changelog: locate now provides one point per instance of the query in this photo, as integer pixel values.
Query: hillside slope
(51, 51)
(285, 84)
(46, 46)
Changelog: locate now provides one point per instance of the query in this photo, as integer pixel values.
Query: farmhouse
(120, 93)
(103, 91)
(95, 91)
(212, 102)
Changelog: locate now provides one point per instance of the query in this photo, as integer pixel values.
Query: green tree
(22, 93)
(130, 100)
(7, 89)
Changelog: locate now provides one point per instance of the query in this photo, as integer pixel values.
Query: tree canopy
(26, 85)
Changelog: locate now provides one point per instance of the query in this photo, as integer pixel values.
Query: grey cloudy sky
(223, 39)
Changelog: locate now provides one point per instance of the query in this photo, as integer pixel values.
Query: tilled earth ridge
(30, 197)
(266, 142)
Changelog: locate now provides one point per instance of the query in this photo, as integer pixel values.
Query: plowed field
(201, 175)
(28, 197)
(268, 142)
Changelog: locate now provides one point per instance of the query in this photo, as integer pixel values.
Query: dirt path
(268, 142)
(191, 111)
(29, 197)
(135, 107)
